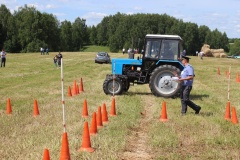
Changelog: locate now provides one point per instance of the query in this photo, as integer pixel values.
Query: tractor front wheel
(113, 86)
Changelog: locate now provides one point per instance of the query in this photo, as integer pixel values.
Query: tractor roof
(160, 36)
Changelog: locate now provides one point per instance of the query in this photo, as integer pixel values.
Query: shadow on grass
(198, 96)
(192, 96)
(137, 93)
(206, 114)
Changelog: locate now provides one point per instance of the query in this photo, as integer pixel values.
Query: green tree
(66, 36)
(191, 38)
(78, 30)
(203, 31)
(93, 35)
(5, 14)
(48, 31)
(235, 48)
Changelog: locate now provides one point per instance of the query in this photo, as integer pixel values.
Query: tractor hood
(117, 64)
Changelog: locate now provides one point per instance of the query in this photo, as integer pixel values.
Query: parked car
(234, 56)
(102, 57)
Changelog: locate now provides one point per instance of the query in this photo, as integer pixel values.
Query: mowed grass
(33, 76)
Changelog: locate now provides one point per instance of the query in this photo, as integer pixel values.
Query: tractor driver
(166, 52)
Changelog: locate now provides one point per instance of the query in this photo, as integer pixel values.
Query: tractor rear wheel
(113, 86)
(161, 83)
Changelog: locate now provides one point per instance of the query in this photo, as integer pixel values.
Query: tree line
(27, 30)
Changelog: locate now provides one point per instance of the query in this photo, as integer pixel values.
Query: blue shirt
(187, 71)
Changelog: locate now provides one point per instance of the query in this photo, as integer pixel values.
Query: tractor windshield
(162, 49)
(169, 49)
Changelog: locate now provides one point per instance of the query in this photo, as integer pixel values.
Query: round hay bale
(217, 50)
(216, 55)
(207, 53)
(223, 55)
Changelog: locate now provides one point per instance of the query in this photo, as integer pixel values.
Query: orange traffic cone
(99, 118)
(93, 128)
(74, 88)
(73, 91)
(69, 92)
(81, 86)
(9, 107)
(104, 114)
(113, 109)
(65, 155)
(218, 72)
(163, 116)
(85, 109)
(234, 116)
(237, 78)
(227, 113)
(86, 143)
(46, 155)
(35, 109)
(77, 88)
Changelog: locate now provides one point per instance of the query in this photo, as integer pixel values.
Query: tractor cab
(161, 49)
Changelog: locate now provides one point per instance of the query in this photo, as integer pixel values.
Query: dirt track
(138, 147)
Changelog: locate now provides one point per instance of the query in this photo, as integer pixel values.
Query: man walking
(187, 76)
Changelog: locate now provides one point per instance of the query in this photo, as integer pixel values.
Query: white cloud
(94, 15)
(50, 6)
(60, 14)
(137, 8)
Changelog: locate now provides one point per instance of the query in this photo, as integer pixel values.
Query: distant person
(55, 60)
(59, 57)
(41, 50)
(184, 53)
(186, 77)
(196, 53)
(129, 50)
(123, 50)
(3, 58)
(47, 51)
(201, 55)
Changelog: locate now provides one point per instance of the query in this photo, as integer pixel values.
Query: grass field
(33, 76)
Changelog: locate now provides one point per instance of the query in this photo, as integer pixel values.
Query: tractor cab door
(152, 53)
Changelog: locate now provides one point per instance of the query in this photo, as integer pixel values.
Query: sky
(223, 15)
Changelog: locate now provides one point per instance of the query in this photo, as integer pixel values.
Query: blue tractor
(157, 66)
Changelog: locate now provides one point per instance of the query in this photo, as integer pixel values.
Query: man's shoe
(198, 110)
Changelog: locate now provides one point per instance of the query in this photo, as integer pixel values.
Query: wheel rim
(164, 83)
(114, 86)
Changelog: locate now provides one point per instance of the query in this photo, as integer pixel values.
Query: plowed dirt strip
(138, 147)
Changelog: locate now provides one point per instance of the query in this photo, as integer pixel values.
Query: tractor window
(169, 49)
(152, 49)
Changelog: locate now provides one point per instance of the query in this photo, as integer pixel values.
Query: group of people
(42, 50)
(131, 52)
(57, 59)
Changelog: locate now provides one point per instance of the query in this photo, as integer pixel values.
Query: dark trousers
(3, 61)
(185, 92)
